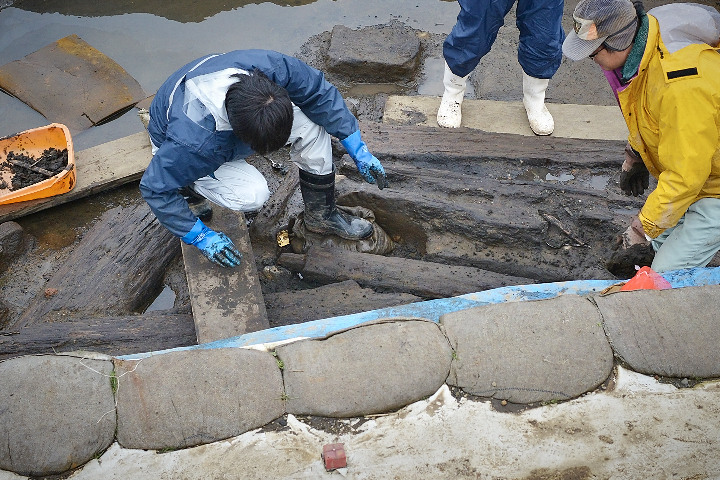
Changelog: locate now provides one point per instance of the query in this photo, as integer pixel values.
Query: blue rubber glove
(216, 246)
(368, 166)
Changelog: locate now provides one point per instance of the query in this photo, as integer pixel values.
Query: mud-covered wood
(411, 142)
(342, 298)
(424, 279)
(264, 225)
(116, 269)
(226, 302)
(120, 335)
(549, 209)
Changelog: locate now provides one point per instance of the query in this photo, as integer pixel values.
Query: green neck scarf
(636, 53)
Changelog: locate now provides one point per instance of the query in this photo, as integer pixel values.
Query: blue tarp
(434, 309)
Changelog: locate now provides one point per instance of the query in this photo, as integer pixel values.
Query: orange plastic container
(33, 143)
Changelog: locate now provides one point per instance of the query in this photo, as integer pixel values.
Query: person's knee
(251, 200)
(261, 195)
(666, 260)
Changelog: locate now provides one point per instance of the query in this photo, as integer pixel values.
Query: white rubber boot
(449, 114)
(541, 122)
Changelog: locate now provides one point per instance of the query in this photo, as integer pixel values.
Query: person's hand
(634, 235)
(634, 178)
(367, 164)
(215, 246)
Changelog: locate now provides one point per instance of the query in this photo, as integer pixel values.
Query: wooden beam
(116, 335)
(412, 143)
(424, 279)
(114, 270)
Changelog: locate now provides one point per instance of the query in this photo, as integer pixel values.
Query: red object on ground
(646, 279)
(334, 456)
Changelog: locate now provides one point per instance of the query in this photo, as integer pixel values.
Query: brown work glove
(634, 178)
(634, 235)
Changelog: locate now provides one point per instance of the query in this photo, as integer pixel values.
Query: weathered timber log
(532, 207)
(116, 269)
(121, 335)
(424, 279)
(342, 298)
(412, 142)
(272, 212)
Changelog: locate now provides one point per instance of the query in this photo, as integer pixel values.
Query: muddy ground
(543, 212)
(24, 170)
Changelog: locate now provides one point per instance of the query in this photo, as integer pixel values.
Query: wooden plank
(99, 168)
(118, 335)
(226, 302)
(424, 279)
(592, 122)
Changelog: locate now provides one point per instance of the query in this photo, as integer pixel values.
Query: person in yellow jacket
(664, 67)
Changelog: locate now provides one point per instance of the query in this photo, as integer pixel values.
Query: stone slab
(379, 53)
(226, 302)
(373, 368)
(181, 399)
(56, 413)
(527, 352)
(673, 333)
(571, 120)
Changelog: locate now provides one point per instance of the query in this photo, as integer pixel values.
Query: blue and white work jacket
(195, 138)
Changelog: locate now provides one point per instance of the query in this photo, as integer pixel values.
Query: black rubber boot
(321, 214)
(199, 205)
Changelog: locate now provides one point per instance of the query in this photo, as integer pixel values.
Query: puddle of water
(164, 301)
(563, 177)
(599, 182)
(539, 174)
(534, 174)
(432, 75)
(185, 11)
(60, 226)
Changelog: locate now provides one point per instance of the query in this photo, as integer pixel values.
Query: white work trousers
(240, 186)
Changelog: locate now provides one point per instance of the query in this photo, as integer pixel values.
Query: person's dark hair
(259, 111)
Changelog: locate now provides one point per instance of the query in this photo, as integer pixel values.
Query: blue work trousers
(478, 23)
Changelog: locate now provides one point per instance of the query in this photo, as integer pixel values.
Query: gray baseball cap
(612, 22)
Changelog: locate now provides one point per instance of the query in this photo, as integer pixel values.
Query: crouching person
(217, 110)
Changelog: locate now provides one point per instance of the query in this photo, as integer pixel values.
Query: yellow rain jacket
(672, 110)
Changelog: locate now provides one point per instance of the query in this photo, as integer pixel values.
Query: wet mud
(24, 170)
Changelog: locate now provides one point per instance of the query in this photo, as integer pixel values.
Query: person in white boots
(539, 54)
